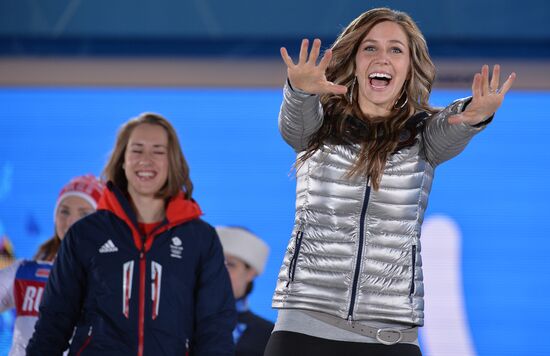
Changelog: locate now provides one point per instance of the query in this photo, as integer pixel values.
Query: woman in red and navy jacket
(144, 275)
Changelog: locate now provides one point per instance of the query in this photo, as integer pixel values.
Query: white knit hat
(243, 244)
(86, 187)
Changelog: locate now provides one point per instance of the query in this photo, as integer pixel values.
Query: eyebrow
(376, 41)
(155, 145)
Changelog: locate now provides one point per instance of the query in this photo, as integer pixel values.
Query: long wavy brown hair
(178, 169)
(382, 134)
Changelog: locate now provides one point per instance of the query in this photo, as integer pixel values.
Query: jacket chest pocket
(294, 259)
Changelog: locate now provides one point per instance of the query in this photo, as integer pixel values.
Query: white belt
(386, 336)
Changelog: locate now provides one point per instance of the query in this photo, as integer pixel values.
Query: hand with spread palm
(308, 75)
(486, 97)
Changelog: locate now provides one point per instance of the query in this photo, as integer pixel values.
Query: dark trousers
(286, 343)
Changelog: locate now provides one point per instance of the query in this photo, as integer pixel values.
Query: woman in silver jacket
(368, 143)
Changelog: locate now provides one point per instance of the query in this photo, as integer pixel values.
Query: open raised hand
(486, 97)
(308, 75)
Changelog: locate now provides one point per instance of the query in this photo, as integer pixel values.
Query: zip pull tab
(368, 181)
(90, 331)
(350, 320)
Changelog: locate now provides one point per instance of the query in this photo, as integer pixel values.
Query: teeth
(379, 75)
(145, 174)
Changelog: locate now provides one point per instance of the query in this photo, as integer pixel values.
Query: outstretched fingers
(477, 86)
(495, 79)
(508, 84)
(324, 62)
(486, 96)
(308, 75)
(286, 58)
(315, 50)
(303, 51)
(485, 79)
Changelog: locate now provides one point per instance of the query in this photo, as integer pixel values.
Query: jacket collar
(178, 211)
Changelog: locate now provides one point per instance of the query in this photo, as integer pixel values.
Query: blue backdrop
(497, 191)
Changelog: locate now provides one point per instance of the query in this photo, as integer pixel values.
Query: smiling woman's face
(146, 160)
(382, 65)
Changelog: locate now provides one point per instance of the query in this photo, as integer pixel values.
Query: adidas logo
(108, 247)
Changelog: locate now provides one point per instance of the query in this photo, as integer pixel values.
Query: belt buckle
(391, 331)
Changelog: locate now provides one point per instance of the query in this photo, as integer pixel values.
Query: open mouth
(146, 175)
(379, 80)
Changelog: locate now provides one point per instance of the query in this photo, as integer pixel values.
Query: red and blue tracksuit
(21, 287)
(167, 293)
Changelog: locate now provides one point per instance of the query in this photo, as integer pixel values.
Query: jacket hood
(178, 211)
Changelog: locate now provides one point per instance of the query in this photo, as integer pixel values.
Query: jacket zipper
(142, 271)
(413, 269)
(360, 250)
(85, 343)
(141, 311)
(294, 260)
(141, 301)
(187, 347)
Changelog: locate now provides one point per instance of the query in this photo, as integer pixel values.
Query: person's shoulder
(99, 215)
(33, 270)
(15, 266)
(29, 263)
(91, 228)
(197, 228)
(197, 225)
(97, 219)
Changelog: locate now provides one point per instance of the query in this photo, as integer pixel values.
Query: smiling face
(70, 210)
(146, 160)
(382, 65)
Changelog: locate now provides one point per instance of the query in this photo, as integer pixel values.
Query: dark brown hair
(178, 170)
(48, 250)
(382, 134)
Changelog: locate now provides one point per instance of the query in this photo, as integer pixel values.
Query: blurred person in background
(7, 318)
(22, 284)
(144, 275)
(7, 255)
(245, 258)
(367, 142)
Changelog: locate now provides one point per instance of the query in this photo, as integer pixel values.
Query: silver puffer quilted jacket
(355, 252)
